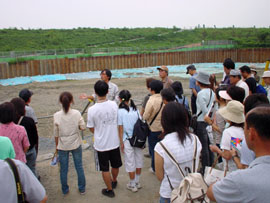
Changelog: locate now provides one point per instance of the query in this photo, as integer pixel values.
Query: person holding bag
(127, 117)
(67, 124)
(180, 143)
(204, 101)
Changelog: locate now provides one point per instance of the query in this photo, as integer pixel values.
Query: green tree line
(37, 39)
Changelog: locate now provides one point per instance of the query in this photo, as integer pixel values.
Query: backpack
(141, 131)
(193, 187)
(261, 89)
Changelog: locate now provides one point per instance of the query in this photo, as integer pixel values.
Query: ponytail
(66, 99)
(132, 104)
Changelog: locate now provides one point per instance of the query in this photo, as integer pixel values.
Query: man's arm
(194, 92)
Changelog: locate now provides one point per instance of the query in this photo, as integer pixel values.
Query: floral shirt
(18, 136)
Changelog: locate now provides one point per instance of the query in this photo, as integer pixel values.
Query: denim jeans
(31, 157)
(63, 160)
(207, 154)
(164, 200)
(152, 141)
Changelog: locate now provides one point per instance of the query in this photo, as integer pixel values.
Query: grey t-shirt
(34, 191)
(29, 112)
(248, 185)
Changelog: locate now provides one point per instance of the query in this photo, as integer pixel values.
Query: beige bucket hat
(234, 112)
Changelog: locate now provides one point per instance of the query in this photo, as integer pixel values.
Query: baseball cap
(25, 94)
(190, 67)
(163, 68)
(235, 72)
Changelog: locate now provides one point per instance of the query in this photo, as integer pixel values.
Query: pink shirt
(18, 136)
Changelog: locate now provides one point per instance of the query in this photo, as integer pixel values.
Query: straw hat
(203, 78)
(234, 112)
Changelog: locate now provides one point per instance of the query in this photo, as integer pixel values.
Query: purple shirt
(18, 136)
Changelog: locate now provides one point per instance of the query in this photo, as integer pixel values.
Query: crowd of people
(231, 119)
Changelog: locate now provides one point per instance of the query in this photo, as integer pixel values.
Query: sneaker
(151, 170)
(138, 185)
(108, 193)
(114, 184)
(82, 193)
(132, 188)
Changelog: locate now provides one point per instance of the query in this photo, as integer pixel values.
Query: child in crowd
(266, 79)
(127, 117)
(232, 136)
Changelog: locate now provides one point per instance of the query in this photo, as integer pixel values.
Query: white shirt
(243, 85)
(103, 118)
(232, 136)
(203, 99)
(182, 153)
(66, 128)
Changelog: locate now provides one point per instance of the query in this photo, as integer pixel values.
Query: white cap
(266, 74)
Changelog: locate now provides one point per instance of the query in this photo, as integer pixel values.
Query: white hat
(202, 77)
(223, 94)
(266, 74)
(234, 112)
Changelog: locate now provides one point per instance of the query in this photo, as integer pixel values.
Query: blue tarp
(179, 71)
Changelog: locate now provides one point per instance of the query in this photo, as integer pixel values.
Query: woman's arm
(120, 134)
(159, 166)
(225, 153)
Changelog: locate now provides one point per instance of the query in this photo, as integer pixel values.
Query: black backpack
(141, 131)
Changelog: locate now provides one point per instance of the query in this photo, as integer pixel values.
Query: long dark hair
(66, 99)
(125, 96)
(174, 119)
(19, 106)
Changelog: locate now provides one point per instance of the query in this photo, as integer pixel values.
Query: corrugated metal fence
(74, 65)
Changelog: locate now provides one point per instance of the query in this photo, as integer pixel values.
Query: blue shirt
(192, 83)
(247, 155)
(202, 100)
(182, 100)
(127, 119)
(248, 185)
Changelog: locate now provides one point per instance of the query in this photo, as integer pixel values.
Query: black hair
(7, 112)
(240, 125)
(228, 63)
(259, 118)
(245, 69)
(156, 86)
(66, 99)
(254, 100)
(178, 88)
(101, 88)
(174, 119)
(168, 94)
(19, 107)
(125, 96)
(148, 81)
(236, 93)
(108, 73)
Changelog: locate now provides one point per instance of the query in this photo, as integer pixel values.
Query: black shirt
(31, 129)
(251, 82)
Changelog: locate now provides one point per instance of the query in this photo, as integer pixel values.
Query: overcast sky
(137, 13)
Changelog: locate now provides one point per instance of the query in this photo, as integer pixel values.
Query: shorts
(133, 157)
(113, 156)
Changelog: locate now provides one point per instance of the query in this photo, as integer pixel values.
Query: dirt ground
(45, 103)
